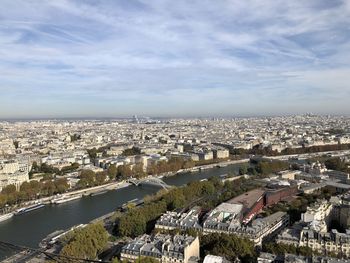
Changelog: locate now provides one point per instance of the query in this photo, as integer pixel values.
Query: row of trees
(139, 220)
(230, 246)
(86, 242)
(267, 151)
(131, 151)
(264, 168)
(45, 169)
(32, 190)
(207, 194)
(48, 186)
(337, 164)
(282, 249)
(89, 178)
(314, 149)
(126, 171)
(172, 165)
(268, 167)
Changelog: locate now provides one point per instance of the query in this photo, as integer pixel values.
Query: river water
(30, 228)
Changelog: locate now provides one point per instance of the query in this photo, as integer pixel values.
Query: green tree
(92, 153)
(61, 185)
(112, 171)
(3, 200)
(243, 169)
(87, 242)
(48, 187)
(101, 178)
(9, 189)
(146, 260)
(16, 143)
(131, 151)
(138, 171)
(335, 164)
(229, 246)
(87, 179)
(124, 171)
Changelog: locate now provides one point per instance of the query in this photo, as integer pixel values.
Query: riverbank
(203, 167)
(6, 216)
(70, 195)
(30, 228)
(76, 194)
(309, 155)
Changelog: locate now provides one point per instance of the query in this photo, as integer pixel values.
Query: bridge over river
(151, 180)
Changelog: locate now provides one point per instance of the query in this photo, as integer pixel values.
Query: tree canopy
(86, 242)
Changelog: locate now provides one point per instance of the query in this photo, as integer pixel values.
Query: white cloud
(241, 47)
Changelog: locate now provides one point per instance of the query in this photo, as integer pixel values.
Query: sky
(117, 58)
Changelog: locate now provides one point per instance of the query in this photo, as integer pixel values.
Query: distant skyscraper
(135, 119)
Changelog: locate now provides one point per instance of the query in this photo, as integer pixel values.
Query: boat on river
(27, 209)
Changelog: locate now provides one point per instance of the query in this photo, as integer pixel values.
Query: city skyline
(164, 58)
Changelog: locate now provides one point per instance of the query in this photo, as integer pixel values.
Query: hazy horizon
(70, 59)
(144, 117)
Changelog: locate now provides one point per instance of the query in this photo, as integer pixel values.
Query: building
(274, 196)
(290, 258)
(221, 153)
(338, 175)
(252, 202)
(223, 218)
(263, 228)
(184, 221)
(229, 218)
(205, 155)
(15, 179)
(165, 248)
(13, 172)
(312, 231)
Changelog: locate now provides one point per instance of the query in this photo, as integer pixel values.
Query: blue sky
(173, 58)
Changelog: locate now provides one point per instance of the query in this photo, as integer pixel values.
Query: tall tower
(135, 119)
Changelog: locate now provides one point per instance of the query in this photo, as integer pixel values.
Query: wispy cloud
(124, 56)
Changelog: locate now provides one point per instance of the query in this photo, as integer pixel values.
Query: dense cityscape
(160, 131)
(283, 196)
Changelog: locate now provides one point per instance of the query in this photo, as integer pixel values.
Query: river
(30, 228)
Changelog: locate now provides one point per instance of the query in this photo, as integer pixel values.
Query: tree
(48, 187)
(3, 200)
(75, 137)
(335, 164)
(131, 151)
(101, 178)
(87, 242)
(146, 260)
(16, 144)
(267, 167)
(229, 246)
(138, 171)
(87, 178)
(243, 169)
(208, 188)
(69, 168)
(124, 171)
(175, 199)
(188, 164)
(9, 189)
(92, 153)
(281, 249)
(112, 171)
(61, 185)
